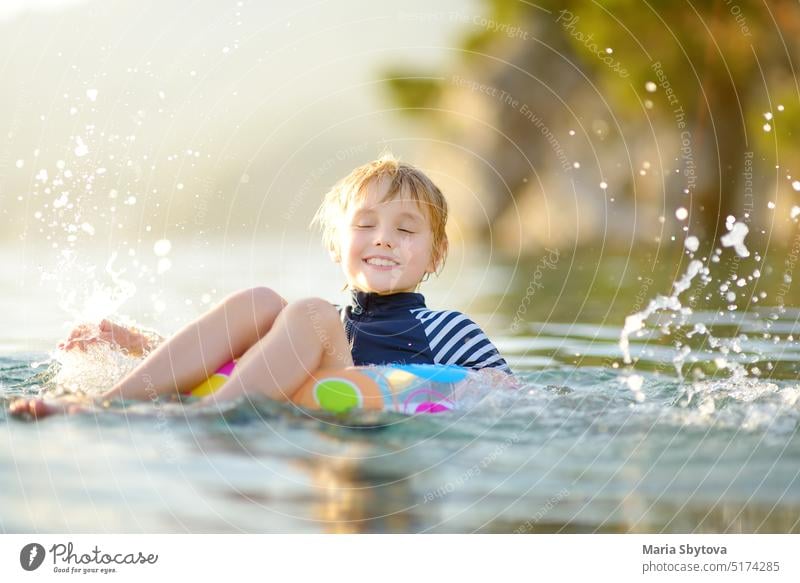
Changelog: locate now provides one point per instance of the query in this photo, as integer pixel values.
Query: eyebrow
(359, 214)
(413, 216)
(402, 215)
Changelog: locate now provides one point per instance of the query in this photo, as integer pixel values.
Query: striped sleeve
(455, 339)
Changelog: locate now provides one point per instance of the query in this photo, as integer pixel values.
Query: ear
(335, 257)
(437, 258)
(431, 266)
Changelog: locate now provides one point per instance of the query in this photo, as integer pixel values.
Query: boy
(385, 224)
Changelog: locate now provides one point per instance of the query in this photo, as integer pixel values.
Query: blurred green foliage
(728, 62)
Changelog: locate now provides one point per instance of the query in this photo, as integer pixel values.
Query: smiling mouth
(379, 262)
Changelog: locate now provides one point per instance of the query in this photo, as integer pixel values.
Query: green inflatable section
(337, 395)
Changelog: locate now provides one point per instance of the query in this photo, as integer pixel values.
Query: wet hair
(403, 180)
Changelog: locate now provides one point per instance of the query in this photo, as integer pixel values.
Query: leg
(197, 350)
(306, 337)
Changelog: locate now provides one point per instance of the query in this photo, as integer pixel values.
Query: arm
(460, 341)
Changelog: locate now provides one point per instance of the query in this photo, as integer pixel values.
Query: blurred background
(155, 156)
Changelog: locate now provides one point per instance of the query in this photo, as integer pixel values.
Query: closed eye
(364, 226)
(406, 231)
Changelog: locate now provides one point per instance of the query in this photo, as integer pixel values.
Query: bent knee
(314, 307)
(261, 302)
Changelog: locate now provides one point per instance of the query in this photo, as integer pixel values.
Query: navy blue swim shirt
(399, 328)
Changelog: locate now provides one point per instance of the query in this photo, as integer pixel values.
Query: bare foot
(39, 408)
(85, 335)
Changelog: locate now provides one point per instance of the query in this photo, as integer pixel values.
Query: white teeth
(382, 262)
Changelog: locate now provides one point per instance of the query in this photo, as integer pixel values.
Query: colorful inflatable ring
(403, 388)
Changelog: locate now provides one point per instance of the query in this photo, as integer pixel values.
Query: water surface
(586, 444)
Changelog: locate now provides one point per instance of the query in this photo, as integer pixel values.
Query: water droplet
(609, 50)
(81, 149)
(162, 247)
(650, 87)
(20, 163)
(768, 115)
(91, 94)
(681, 213)
(576, 164)
(692, 243)
(634, 383)
(767, 127)
(603, 185)
(770, 205)
(735, 238)
(61, 201)
(796, 185)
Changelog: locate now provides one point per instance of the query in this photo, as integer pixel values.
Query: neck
(384, 293)
(396, 300)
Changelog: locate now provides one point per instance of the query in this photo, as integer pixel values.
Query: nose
(383, 237)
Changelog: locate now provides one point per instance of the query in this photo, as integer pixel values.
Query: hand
(87, 334)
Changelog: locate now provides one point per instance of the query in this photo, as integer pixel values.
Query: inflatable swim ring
(403, 388)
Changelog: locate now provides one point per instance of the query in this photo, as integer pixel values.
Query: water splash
(735, 238)
(80, 293)
(635, 322)
(91, 372)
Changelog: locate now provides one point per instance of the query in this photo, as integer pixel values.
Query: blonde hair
(403, 179)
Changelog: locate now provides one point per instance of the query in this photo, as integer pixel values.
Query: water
(586, 444)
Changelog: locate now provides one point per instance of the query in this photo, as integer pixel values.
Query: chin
(383, 289)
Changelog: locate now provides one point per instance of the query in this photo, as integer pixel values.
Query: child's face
(386, 247)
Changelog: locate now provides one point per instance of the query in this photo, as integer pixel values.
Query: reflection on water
(352, 500)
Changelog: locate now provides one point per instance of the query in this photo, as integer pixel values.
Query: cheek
(355, 243)
(416, 252)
